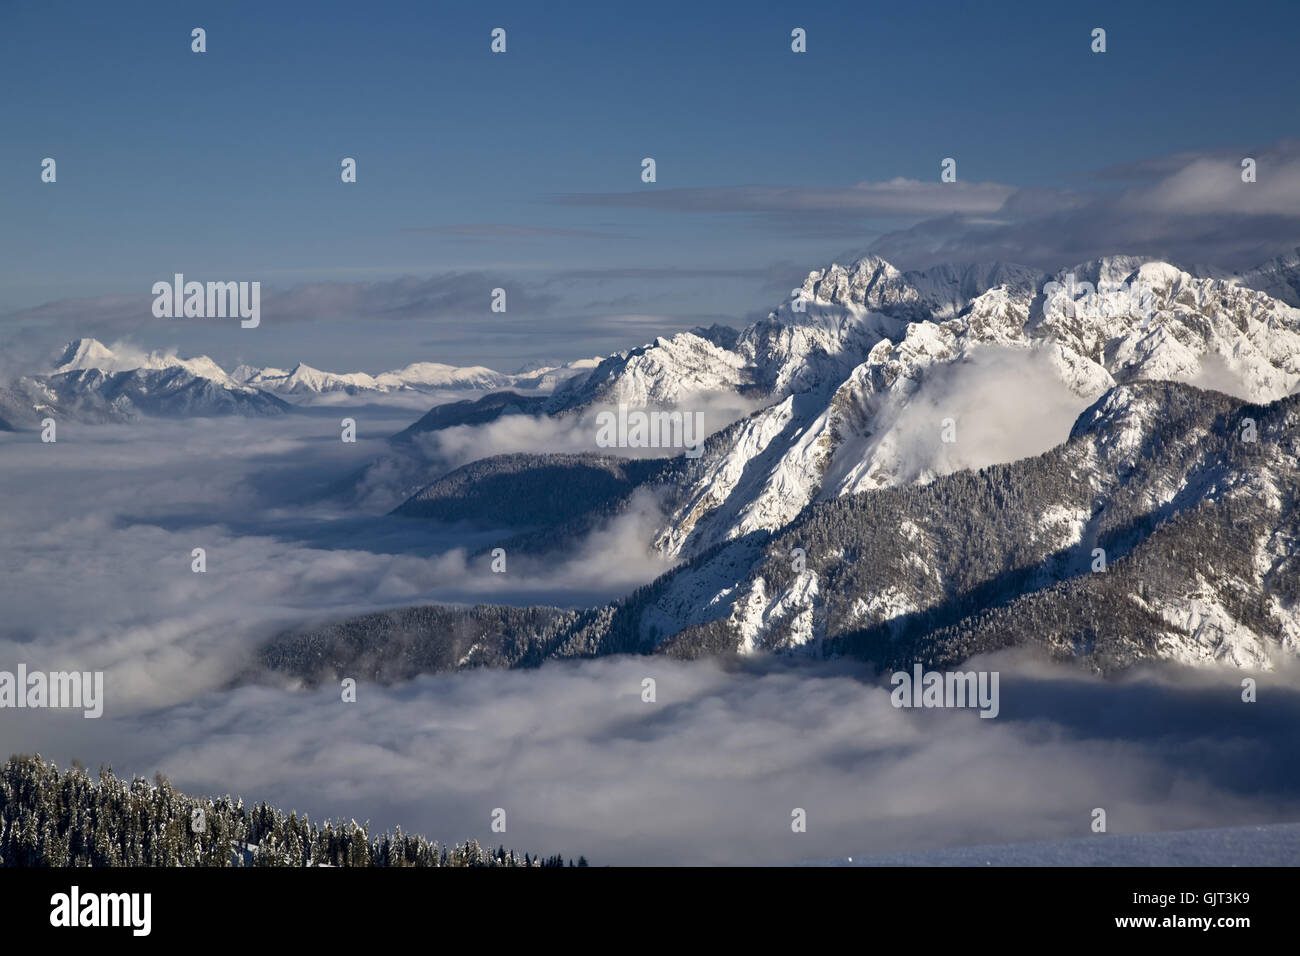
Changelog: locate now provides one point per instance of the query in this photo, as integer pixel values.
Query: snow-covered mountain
(946, 448)
(303, 380)
(421, 376)
(431, 377)
(829, 435)
(1279, 277)
(1191, 496)
(862, 359)
(96, 396)
(1164, 528)
(89, 381)
(995, 424)
(664, 372)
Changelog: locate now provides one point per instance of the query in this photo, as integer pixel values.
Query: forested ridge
(53, 818)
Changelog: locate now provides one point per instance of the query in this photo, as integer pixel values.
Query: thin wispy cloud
(500, 230)
(895, 197)
(809, 212)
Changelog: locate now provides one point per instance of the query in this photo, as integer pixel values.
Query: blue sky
(523, 169)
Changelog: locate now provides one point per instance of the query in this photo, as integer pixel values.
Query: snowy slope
(864, 369)
(1199, 526)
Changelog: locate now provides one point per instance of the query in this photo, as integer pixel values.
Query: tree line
(53, 818)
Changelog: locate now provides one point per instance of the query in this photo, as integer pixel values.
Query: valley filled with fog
(98, 530)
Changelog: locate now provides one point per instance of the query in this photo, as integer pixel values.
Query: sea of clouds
(97, 534)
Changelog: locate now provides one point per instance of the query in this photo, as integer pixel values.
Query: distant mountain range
(90, 382)
(97, 396)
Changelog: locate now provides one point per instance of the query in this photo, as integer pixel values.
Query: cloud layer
(712, 770)
(99, 530)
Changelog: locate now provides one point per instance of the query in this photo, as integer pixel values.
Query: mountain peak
(84, 353)
(1110, 269)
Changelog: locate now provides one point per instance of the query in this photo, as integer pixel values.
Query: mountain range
(852, 513)
(91, 382)
(1099, 463)
(1196, 527)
